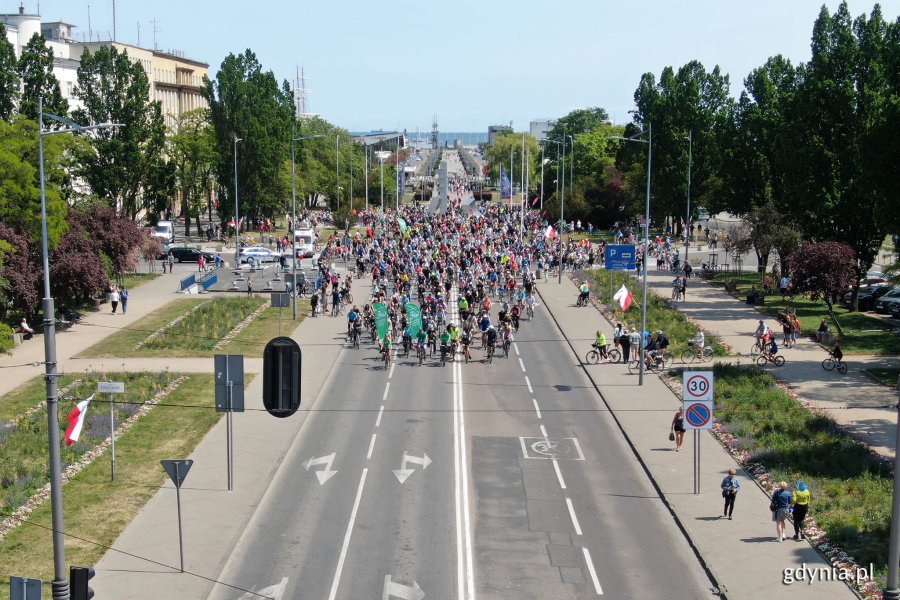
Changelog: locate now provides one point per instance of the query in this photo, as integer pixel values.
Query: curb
(717, 588)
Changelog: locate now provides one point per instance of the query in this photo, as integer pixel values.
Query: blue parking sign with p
(620, 257)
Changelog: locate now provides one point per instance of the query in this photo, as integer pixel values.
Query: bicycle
(831, 363)
(593, 355)
(529, 311)
(346, 298)
(676, 294)
(766, 357)
(420, 353)
(506, 345)
(694, 354)
(354, 338)
(386, 356)
(490, 353)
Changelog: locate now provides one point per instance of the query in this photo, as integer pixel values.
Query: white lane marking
(537, 408)
(325, 474)
(371, 446)
(528, 381)
(521, 364)
(592, 571)
(380, 412)
(562, 482)
(346, 544)
(572, 514)
(391, 374)
(544, 431)
(516, 348)
(275, 592)
(386, 388)
(470, 569)
(460, 559)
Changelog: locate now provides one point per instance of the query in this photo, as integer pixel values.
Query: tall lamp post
(294, 217)
(687, 222)
(891, 591)
(542, 177)
(649, 142)
(237, 228)
(572, 169)
(60, 583)
(382, 154)
(337, 169)
(562, 199)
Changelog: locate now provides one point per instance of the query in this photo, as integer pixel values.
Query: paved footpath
(854, 400)
(742, 554)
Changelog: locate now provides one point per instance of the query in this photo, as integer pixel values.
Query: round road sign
(698, 386)
(698, 415)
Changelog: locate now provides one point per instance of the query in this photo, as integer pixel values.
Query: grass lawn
(252, 340)
(97, 509)
(887, 376)
(596, 237)
(862, 334)
(851, 488)
(197, 334)
(659, 316)
(133, 280)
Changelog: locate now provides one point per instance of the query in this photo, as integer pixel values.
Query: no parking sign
(698, 415)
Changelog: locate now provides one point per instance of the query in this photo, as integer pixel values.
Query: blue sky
(473, 63)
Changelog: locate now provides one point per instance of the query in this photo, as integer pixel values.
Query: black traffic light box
(281, 377)
(79, 577)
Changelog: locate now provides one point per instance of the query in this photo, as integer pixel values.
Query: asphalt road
(527, 491)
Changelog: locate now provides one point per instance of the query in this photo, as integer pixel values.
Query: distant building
(540, 128)
(494, 130)
(174, 79)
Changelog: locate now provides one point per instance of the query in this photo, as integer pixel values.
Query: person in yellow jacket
(800, 502)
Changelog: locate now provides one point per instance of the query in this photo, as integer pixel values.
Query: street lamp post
(337, 172)
(562, 197)
(572, 169)
(649, 142)
(382, 154)
(237, 230)
(60, 583)
(542, 177)
(687, 222)
(891, 591)
(294, 218)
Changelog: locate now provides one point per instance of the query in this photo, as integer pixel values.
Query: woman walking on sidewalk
(800, 502)
(678, 428)
(781, 508)
(730, 488)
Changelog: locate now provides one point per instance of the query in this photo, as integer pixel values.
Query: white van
(304, 243)
(164, 232)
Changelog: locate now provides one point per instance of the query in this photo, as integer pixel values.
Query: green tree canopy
(36, 70)
(122, 161)
(9, 77)
(246, 102)
(192, 148)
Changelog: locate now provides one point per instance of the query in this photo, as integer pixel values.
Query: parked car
(883, 305)
(867, 296)
(259, 254)
(164, 232)
(187, 254)
(895, 310)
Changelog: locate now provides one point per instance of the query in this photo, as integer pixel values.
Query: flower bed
(206, 325)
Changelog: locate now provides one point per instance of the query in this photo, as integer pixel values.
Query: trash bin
(828, 338)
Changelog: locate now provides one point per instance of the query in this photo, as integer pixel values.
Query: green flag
(381, 319)
(415, 318)
(402, 225)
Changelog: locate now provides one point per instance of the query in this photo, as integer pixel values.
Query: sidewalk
(741, 554)
(214, 518)
(850, 399)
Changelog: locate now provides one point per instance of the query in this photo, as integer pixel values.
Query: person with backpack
(730, 487)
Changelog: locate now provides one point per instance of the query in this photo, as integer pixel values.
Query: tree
(9, 77)
(76, 268)
(20, 273)
(193, 151)
(36, 70)
(246, 102)
(824, 270)
(118, 238)
(20, 193)
(510, 144)
(122, 160)
(690, 100)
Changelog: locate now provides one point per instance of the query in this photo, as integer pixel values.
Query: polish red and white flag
(76, 421)
(550, 233)
(623, 297)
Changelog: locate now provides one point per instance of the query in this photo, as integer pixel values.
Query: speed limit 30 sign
(697, 386)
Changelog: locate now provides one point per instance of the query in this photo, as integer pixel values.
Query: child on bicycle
(837, 353)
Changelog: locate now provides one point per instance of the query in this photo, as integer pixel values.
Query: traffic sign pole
(697, 394)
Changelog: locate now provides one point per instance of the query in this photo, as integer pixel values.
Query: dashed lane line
(528, 382)
(380, 412)
(537, 408)
(522, 365)
(386, 388)
(372, 445)
(592, 571)
(574, 517)
(562, 482)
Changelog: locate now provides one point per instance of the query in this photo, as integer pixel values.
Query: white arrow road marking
(275, 592)
(392, 589)
(326, 473)
(403, 472)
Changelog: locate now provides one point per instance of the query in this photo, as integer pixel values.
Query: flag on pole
(550, 233)
(505, 184)
(623, 297)
(76, 421)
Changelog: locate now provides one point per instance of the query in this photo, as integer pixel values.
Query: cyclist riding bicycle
(407, 339)
(837, 353)
(385, 348)
(445, 342)
(771, 349)
(584, 291)
(352, 318)
(514, 316)
(491, 337)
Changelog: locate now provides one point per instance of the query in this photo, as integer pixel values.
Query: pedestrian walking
(123, 298)
(635, 339)
(730, 488)
(249, 287)
(314, 303)
(800, 502)
(781, 508)
(678, 428)
(625, 342)
(171, 259)
(201, 264)
(335, 300)
(114, 298)
(164, 262)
